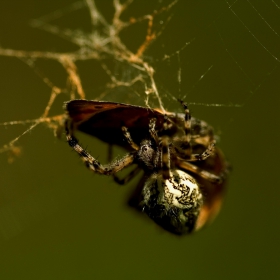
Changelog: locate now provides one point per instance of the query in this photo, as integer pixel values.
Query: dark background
(59, 221)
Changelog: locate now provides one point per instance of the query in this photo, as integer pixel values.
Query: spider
(184, 174)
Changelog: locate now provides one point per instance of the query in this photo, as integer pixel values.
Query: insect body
(184, 174)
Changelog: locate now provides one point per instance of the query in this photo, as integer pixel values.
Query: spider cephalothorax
(184, 173)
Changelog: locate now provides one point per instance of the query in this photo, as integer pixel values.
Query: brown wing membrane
(104, 120)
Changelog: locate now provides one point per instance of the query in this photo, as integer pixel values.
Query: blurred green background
(59, 221)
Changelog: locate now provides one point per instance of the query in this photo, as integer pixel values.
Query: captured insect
(184, 173)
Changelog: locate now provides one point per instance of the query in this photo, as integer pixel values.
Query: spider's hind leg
(92, 163)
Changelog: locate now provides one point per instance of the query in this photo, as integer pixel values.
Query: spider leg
(185, 148)
(152, 130)
(200, 172)
(187, 116)
(163, 145)
(93, 164)
(165, 152)
(128, 177)
(208, 152)
(165, 159)
(182, 144)
(129, 139)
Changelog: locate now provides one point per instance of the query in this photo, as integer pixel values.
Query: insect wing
(104, 119)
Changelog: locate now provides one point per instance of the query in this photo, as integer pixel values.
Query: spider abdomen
(173, 203)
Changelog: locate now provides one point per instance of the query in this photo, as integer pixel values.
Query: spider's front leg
(183, 146)
(165, 158)
(187, 117)
(92, 163)
(152, 130)
(182, 140)
(128, 138)
(163, 147)
(136, 170)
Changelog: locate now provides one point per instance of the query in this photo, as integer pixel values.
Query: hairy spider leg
(128, 138)
(187, 117)
(152, 130)
(207, 153)
(165, 158)
(93, 164)
(184, 147)
(164, 147)
(135, 171)
(200, 172)
(182, 144)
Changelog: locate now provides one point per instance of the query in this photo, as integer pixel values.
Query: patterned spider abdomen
(173, 203)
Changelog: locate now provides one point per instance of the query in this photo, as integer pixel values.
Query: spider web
(125, 51)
